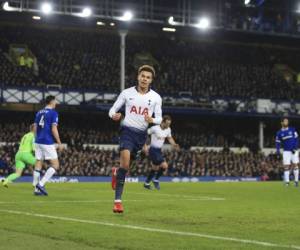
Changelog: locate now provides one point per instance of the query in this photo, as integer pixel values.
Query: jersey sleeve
(158, 112)
(150, 131)
(54, 120)
(118, 104)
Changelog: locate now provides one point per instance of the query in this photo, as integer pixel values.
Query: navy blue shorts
(156, 156)
(132, 139)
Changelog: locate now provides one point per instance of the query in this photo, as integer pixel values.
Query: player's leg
(119, 175)
(296, 174)
(286, 174)
(51, 155)
(287, 158)
(162, 168)
(39, 156)
(130, 142)
(120, 179)
(37, 173)
(20, 165)
(295, 161)
(54, 166)
(153, 155)
(154, 169)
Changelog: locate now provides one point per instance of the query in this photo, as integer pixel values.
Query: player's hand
(148, 119)
(117, 117)
(146, 149)
(60, 147)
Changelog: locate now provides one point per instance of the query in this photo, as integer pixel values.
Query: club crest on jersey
(139, 110)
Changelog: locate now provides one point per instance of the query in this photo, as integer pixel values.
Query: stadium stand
(90, 60)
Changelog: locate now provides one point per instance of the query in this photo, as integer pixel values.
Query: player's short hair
(167, 118)
(147, 68)
(49, 99)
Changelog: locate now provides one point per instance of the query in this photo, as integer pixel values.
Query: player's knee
(155, 167)
(125, 163)
(56, 167)
(125, 166)
(125, 159)
(38, 165)
(55, 164)
(164, 165)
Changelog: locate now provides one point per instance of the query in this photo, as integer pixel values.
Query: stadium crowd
(78, 136)
(91, 161)
(90, 60)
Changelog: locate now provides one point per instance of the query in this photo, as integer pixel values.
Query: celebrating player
(23, 157)
(288, 136)
(46, 121)
(158, 135)
(140, 104)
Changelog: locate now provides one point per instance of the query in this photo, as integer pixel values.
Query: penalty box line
(154, 230)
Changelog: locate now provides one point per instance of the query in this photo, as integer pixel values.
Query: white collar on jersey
(136, 88)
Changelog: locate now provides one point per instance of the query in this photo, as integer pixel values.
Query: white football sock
(48, 175)
(36, 177)
(286, 176)
(296, 174)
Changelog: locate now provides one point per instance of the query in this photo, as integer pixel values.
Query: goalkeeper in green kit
(23, 157)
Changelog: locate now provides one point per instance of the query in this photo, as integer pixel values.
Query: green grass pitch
(179, 216)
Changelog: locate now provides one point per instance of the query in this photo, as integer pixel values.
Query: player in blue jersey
(288, 138)
(46, 122)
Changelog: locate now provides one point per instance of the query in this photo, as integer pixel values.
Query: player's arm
(56, 136)
(278, 143)
(173, 143)
(296, 141)
(33, 143)
(157, 113)
(150, 131)
(116, 107)
(55, 133)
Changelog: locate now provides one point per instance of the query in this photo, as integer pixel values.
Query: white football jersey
(158, 135)
(138, 105)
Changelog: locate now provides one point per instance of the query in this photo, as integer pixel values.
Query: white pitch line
(96, 201)
(147, 192)
(155, 230)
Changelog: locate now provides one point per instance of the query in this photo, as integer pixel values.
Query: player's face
(285, 123)
(167, 124)
(145, 78)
